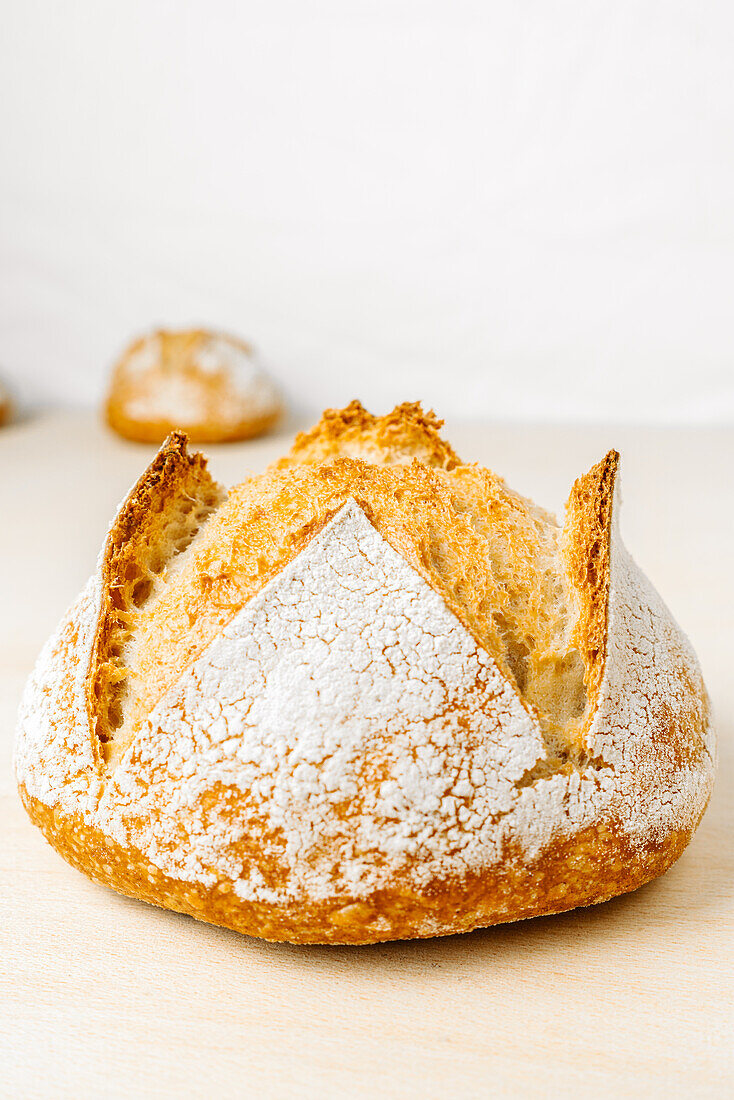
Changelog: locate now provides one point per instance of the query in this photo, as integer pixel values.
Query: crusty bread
(5, 405)
(208, 384)
(369, 694)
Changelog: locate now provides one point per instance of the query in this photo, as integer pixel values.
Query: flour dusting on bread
(209, 384)
(347, 711)
(370, 693)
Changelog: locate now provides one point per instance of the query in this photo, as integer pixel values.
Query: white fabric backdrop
(509, 209)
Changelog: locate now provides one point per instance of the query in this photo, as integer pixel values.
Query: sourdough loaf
(370, 694)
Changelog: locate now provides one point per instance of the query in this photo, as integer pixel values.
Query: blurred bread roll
(208, 384)
(5, 405)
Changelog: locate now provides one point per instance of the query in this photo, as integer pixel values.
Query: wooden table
(106, 997)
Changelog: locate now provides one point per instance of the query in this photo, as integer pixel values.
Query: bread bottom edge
(155, 431)
(591, 867)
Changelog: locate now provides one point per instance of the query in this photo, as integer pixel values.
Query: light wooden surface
(105, 997)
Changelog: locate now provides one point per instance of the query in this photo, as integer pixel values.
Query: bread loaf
(5, 405)
(211, 385)
(370, 694)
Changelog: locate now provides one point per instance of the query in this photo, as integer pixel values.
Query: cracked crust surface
(346, 745)
(208, 384)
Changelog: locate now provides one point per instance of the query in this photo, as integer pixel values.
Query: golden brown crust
(209, 431)
(446, 524)
(136, 552)
(588, 868)
(216, 408)
(587, 534)
(402, 435)
(5, 406)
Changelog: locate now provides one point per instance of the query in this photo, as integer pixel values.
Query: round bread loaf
(370, 694)
(209, 385)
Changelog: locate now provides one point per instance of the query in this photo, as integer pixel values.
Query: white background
(509, 209)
